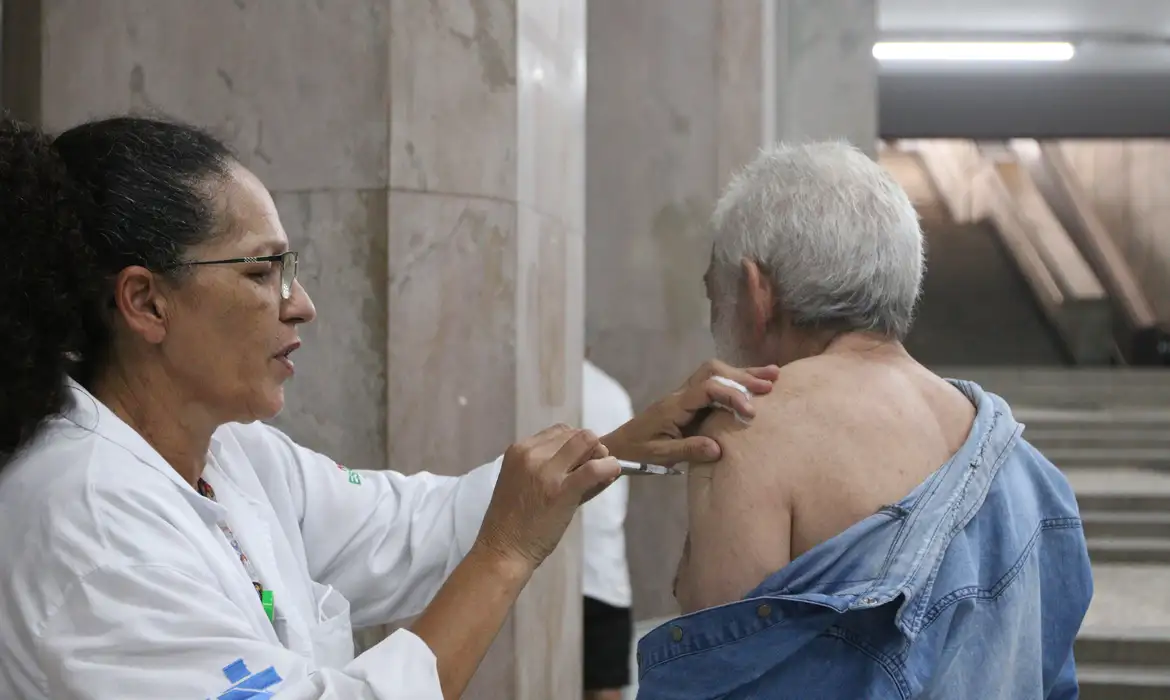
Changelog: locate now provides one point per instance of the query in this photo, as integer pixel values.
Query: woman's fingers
(579, 448)
(592, 477)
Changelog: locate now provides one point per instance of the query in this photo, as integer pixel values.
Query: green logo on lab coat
(354, 477)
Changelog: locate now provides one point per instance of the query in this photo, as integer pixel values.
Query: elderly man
(878, 532)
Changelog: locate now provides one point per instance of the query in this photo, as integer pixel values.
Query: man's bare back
(843, 434)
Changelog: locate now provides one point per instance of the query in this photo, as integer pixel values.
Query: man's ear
(759, 296)
(138, 295)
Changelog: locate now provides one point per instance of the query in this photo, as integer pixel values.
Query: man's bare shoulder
(804, 394)
(788, 430)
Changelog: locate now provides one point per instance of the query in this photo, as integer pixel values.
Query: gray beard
(726, 336)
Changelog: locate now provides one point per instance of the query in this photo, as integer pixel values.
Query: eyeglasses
(287, 262)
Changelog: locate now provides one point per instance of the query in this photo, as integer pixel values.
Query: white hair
(837, 236)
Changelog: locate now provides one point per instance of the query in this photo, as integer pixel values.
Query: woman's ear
(138, 296)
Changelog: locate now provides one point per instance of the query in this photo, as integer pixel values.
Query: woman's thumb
(697, 449)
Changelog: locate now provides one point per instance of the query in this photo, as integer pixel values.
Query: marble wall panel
(679, 91)
(298, 89)
(824, 84)
(451, 342)
(453, 99)
(486, 224)
(336, 404)
(656, 121)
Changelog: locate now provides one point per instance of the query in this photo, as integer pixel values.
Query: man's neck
(860, 343)
(179, 430)
(864, 343)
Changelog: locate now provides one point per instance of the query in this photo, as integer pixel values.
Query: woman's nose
(299, 307)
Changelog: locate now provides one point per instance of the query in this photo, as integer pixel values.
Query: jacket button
(764, 610)
(676, 633)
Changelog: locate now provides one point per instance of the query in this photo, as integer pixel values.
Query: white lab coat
(116, 582)
(606, 575)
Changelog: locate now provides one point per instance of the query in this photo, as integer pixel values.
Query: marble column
(820, 77)
(673, 107)
(427, 158)
(486, 297)
(681, 93)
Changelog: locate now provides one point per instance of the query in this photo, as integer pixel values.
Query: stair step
(1098, 445)
(1123, 683)
(1094, 503)
(1035, 372)
(1130, 456)
(1060, 377)
(1124, 647)
(1112, 489)
(1140, 524)
(1104, 419)
(1112, 478)
(1148, 437)
(1115, 550)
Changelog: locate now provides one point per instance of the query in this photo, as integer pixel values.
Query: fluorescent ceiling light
(973, 51)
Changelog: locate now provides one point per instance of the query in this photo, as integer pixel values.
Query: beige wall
(427, 158)
(681, 92)
(674, 104)
(820, 78)
(1127, 181)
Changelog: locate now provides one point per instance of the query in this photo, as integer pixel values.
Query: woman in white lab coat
(156, 540)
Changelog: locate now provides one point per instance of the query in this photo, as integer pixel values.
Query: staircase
(1109, 430)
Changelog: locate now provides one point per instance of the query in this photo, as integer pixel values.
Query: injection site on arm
(739, 513)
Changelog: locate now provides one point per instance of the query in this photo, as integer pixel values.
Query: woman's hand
(542, 482)
(658, 434)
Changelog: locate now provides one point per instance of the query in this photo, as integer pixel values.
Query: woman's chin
(266, 404)
(275, 402)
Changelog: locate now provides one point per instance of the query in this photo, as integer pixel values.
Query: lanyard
(266, 601)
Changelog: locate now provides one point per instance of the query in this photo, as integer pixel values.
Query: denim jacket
(972, 587)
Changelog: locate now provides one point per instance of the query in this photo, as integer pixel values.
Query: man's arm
(739, 512)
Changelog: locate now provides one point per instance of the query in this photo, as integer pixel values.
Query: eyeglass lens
(288, 273)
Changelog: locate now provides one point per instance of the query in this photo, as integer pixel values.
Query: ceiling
(1117, 84)
(1051, 18)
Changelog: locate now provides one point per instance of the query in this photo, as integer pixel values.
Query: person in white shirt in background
(608, 625)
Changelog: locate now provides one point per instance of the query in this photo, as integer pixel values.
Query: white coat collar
(88, 413)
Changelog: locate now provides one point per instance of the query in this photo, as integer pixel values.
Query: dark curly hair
(74, 211)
